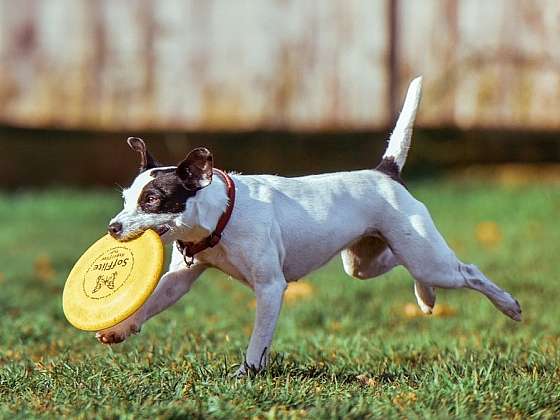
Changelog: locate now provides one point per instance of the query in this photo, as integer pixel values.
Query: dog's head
(159, 196)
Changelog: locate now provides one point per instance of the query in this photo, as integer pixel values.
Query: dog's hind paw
(510, 307)
(425, 296)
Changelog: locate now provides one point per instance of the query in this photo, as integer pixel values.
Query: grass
(343, 347)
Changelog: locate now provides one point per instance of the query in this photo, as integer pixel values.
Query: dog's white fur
(283, 228)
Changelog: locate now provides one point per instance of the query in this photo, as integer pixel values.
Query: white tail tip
(399, 142)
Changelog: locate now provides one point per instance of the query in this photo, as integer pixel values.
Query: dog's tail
(399, 142)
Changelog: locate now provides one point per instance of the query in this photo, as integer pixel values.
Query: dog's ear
(147, 161)
(196, 170)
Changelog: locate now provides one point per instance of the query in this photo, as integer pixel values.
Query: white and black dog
(283, 228)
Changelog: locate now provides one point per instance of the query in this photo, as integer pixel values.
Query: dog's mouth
(161, 230)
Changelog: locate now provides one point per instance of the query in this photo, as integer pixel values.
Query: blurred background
(279, 86)
(286, 87)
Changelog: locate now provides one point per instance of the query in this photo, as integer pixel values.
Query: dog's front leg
(269, 301)
(170, 288)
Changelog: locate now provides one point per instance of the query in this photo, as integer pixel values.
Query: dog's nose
(115, 229)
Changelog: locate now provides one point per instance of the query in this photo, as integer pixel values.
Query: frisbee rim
(76, 318)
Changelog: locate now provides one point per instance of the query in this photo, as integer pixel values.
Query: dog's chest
(228, 264)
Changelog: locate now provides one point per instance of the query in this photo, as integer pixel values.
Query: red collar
(190, 249)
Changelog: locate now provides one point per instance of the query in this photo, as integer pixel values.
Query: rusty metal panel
(487, 64)
(194, 65)
(277, 64)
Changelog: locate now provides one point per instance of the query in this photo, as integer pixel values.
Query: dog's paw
(511, 308)
(239, 373)
(119, 332)
(246, 370)
(426, 297)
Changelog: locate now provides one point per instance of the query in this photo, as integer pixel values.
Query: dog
(280, 229)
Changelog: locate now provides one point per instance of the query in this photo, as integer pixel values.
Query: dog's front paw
(119, 332)
(246, 370)
(239, 373)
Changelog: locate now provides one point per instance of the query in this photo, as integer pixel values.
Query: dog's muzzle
(116, 230)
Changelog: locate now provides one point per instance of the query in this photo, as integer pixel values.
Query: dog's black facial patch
(165, 194)
(389, 167)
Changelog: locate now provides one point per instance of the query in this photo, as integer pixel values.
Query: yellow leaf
(488, 234)
(443, 310)
(297, 291)
(43, 268)
(410, 310)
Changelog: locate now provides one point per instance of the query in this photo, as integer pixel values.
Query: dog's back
(317, 216)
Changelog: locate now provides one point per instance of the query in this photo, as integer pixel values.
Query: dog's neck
(203, 211)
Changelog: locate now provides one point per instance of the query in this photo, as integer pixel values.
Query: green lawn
(343, 347)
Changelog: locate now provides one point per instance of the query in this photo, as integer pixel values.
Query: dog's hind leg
(368, 258)
(417, 243)
(371, 257)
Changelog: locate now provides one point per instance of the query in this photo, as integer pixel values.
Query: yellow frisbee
(112, 280)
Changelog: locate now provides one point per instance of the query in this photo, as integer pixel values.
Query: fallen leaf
(443, 310)
(297, 291)
(488, 234)
(43, 268)
(411, 310)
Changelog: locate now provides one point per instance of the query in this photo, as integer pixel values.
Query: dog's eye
(152, 199)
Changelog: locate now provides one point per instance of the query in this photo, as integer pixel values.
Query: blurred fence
(314, 65)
